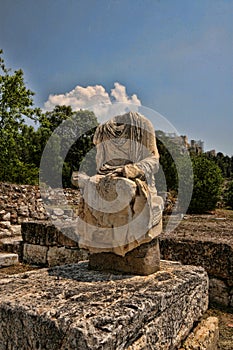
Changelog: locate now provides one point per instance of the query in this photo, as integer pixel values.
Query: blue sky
(175, 55)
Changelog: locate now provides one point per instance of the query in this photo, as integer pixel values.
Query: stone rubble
(22, 203)
(204, 337)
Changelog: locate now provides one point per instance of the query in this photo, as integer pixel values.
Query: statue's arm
(149, 163)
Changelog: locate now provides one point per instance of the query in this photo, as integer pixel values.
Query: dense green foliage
(229, 195)
(168, 150)
(15, 104)
(207, 176)
(207, 185)
(22, 146)
(225, 163)
(70, 142)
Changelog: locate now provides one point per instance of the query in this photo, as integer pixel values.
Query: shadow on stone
(83, 274)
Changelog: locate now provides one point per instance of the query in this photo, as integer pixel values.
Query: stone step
(12, 231)
(12, 245)
(11, 240)
(8, 259)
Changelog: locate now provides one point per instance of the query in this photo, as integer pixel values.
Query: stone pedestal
(143, 260)
(71, 307)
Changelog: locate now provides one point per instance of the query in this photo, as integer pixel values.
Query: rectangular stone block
(71, 307)
(219, 292)
(47, 234)
(8, 259)
(215, 257)
(35, 254)
(62, 255)
(35, 233)
(142, 260)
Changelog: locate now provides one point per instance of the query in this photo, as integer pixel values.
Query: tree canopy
(207, 185)
(16, 103)
(22, 146)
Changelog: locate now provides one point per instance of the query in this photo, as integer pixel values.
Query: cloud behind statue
(95, 98)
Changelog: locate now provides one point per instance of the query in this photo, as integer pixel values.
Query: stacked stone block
(45, 245)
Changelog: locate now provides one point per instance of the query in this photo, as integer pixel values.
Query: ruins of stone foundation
(39, 242)
(104, 285)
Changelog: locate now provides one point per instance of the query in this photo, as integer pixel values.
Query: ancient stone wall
(22, 203)
(215, 257)
(19, 203)
(45, 245)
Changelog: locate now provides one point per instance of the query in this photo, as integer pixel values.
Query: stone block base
(143, 260)
(52, 255)
(45, 245)
(70, 307)
(8, 259)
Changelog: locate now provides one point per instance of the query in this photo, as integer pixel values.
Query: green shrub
(229, 195)
(207, 185)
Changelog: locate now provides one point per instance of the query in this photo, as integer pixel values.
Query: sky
(172, 56)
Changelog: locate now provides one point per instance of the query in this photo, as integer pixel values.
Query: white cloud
(97, 99)
(120, 95)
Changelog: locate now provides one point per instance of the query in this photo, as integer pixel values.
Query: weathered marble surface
(70, 307)
(115, 217)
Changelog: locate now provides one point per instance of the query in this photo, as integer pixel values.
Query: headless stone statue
(120, 211)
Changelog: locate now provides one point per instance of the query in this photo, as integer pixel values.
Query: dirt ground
(19, 268)
(217, 226)
(225, 327)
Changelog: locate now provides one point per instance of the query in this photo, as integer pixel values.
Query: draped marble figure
(120, 209)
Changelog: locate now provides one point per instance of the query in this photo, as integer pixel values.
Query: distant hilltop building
(194, 146)
(211, 153)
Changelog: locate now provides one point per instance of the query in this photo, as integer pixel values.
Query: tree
(51, 120)
(74, 132)
(16, 103)
(167, 164)
(229, 195)
(207, 185)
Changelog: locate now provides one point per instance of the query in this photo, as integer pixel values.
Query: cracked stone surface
(71, 307)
